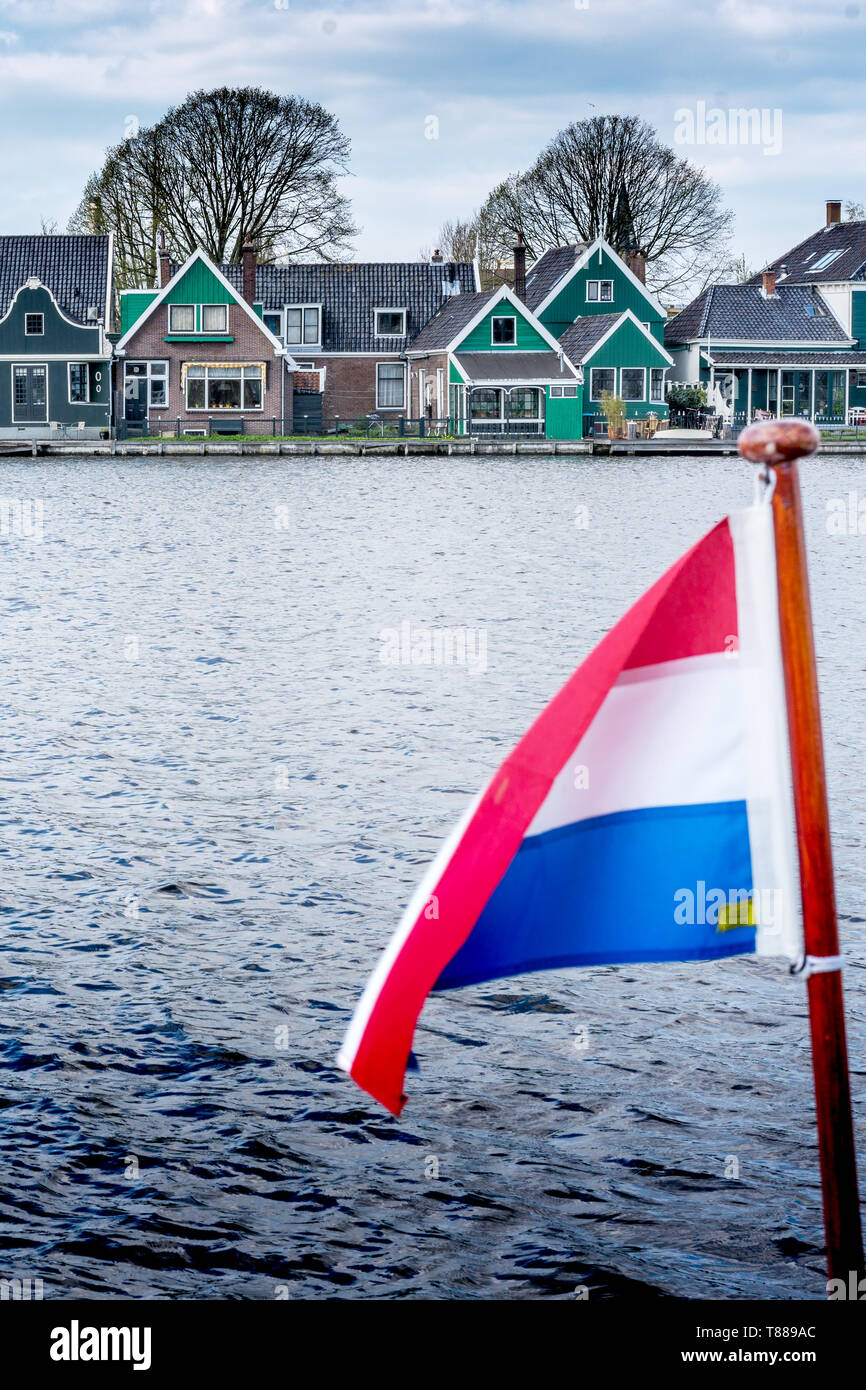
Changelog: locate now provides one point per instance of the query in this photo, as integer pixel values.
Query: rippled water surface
(216, 800)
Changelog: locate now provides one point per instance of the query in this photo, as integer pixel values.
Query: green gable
(572, 303)
(133, 304)
(199, 285)
(480, 338)
(627, 346)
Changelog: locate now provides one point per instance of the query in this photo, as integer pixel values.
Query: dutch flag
(647, 815)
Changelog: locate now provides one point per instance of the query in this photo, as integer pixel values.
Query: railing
(276, 427)
(506, 429)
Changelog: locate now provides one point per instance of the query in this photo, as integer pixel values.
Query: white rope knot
(816, 965)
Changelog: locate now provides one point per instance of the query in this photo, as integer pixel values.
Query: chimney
(637, 265)
(520, 267)
(834, 213)
(769, 279)
(248, 260)
(437, 256)
(164, 262)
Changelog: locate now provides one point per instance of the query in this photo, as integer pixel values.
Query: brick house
(196, 355)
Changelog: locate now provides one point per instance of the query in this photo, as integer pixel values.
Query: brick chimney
(437, 256)
(769, 283)
(637, 265)
(248, 260)
(834, 213)
(164, 262)
(520, 267)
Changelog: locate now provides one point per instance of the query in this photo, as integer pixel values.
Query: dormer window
(34, 325)
(390, 323)
(504, 330)
(181, 318)
(303, 324)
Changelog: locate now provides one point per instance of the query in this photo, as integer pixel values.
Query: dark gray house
(55, 356)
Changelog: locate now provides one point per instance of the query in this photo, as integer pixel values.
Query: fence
(275, 427)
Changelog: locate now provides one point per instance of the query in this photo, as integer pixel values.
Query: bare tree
(855, 212)
(464, 239)
(579, 185)
(223, 165)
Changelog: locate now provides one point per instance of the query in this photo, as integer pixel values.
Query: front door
(135, 392)
(30, 394)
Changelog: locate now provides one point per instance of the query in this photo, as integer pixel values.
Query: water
(216, 800)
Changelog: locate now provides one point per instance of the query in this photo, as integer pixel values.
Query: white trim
(503, 318)
(147, 362)
(592, 398)
(58, 357)
(34, 314)
(627, 313)
(598, 299)
(466, 381)
(404, 313)
(172, 309)
(633, 400)
(583, 261)
(219, 409)
(773, 344)
(34, 284)
(18, 363)
(497, 297)
(225, 309)
(303, 309)
(78, 362)
(199, 255)
(402, 406)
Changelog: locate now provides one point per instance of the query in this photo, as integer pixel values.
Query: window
(657, 384)
(390, 386)
(303, 324)
(79, 383)
(34, 325)
(390, 323)
(827, 259)
(633, 383)
(556, 392)
(214, 318)
(236, 387)
(504, 330)
(523, 404)
(181, 318)
(861, 380)
(275, 323)
(602, 381)
(599, 291)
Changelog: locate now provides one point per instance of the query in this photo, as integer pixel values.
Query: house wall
(61, 338)
(247, 344)
(628, 347)
(563, 416)
(429, 366)
(571, 302)
(350, 384)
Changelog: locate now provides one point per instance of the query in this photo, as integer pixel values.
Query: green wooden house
(55, 357)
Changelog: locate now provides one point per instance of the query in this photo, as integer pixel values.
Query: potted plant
(613, 408)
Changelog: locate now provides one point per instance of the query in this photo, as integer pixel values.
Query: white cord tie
(816, 965)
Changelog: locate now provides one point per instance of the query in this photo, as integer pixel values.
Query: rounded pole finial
(775, 442)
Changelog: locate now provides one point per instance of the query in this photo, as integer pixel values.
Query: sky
(442, 100)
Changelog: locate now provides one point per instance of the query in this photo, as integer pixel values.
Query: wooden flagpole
(778, 445)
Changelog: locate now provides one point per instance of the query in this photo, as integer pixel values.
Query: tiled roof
(74, 268)
(795, 313)
(847, 238)
(812, 357)
(549, 269)
(585, 332)
(455, 314)
(349, 293)
(513, 366)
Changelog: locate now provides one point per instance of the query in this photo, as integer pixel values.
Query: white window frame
(69, 366)
(299, 343)
(40, 333)
(149, 363)
(274, 314)
(657, 400)
(402, 406)
(564, 392)
(44, 366)
(377, 312)
(599, 298)
(633, 400)
(503, 318)
(225, 309)
(592, 372)
(171, 312)
(221, 409)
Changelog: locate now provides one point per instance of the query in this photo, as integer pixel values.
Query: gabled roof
(795, 314)
(549, 269)
(349, 293)
(587, 333)
(76, 269)
(455, 315)
(848, 239)
(576, 258)
(199, 255)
